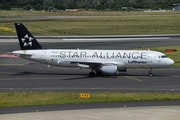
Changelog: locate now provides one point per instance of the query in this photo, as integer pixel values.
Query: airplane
(101, 62)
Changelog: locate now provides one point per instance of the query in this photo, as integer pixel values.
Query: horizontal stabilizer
(22, 55)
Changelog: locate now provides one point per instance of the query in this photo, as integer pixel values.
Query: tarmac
(164, 80)
(124, 113)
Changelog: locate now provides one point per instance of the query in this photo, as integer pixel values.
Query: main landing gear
(150, 72)
(93, 74)
(98, 73)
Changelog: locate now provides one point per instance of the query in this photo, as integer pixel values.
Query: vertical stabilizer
(26, 39)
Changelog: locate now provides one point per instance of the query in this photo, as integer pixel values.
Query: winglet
(26, 39)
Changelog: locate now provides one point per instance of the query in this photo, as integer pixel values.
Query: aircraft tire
(91, 74)
(150, 74)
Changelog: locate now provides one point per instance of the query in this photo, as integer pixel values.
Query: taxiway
(39, 77)
(22, 75)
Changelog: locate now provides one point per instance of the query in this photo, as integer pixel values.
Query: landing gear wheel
(91, 74)
(150, 72)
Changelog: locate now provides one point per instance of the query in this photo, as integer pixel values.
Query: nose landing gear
(93, 74)
(150, 72)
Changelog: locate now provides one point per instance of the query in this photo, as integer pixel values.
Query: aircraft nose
(170, 62)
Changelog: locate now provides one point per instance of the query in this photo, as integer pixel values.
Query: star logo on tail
(27, 40)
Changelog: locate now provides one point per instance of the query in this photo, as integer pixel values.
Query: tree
(27, 7)
(87, 4)
(83, 4)
(21, 2)
(47, 4)
(5, 6)
(99, 7)
(71, 4)
(59, 6)
(38, 7)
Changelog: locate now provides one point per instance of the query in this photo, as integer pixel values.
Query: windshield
(162, 56)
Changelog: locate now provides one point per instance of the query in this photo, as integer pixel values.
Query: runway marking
(116, 39)
(26, 78)
(6, 73)
(40, 78)
(175, 76)
(11, 64)
(132, 78)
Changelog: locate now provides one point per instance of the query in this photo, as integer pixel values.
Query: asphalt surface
(86, 106)
(27, 18)
(38, 77)
(114, 43)
(20, 75)
(125, 113)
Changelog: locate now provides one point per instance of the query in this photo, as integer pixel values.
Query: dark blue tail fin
(26, 39)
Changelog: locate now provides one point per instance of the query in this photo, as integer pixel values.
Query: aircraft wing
(98, 63)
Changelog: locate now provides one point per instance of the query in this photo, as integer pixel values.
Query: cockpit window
(162, 56)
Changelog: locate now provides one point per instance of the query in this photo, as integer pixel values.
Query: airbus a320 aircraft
(101, 62)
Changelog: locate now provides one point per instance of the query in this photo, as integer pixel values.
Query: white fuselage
(79, 58)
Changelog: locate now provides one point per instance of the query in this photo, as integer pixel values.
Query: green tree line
(86, 4)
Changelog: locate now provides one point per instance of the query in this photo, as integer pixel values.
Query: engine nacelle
(109, 70)
(122, 70)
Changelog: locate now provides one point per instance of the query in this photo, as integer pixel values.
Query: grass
(22, 13)
(115, 25)
(12, 99)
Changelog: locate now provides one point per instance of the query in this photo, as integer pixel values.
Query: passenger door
(150, 58)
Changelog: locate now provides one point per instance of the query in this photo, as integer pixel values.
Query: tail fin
(26, 39)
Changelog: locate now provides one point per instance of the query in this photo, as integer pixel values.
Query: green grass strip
(12, 99)
(119, 25)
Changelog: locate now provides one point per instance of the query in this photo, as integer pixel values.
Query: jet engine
(109, 70)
